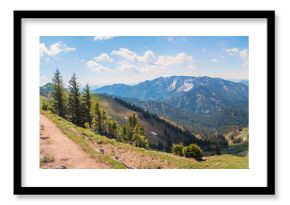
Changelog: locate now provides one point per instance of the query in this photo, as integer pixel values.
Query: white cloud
(243, 54)
(172, 60)
(91, 64)
(68, 48)
(148, 57)
(131, 61)
(127, 66)
(95, 65)
(137, 68)
(42, 49)
(204, 50)
(102, 38)
(125, 53)
(103, 57)
(232, 51)
(54, 49)
(214, 60)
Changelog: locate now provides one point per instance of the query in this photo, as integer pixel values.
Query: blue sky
(103, 60)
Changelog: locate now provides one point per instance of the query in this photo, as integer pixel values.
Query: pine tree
(86, 105)
(113, 129)
(134, 133)
(104, 123)
(133, 120)
(74, 104)
(58, 94)
(98, 118)
(124, 133)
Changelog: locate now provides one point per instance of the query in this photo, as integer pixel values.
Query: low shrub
(194, 151)
(178, 149)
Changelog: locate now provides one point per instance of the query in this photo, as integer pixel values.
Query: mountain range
(199, 95)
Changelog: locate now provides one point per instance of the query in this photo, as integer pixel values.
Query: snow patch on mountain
(187, 86)
(172, 86)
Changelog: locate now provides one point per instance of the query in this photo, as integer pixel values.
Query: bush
(46, 104)
(178, 149)
(87, 125)
(141, 141)
(193, 151)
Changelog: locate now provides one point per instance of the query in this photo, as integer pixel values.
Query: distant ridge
(201, 95)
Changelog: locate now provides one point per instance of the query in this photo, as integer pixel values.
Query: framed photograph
(144, 102)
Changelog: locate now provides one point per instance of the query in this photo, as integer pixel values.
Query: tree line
(212, 143)
(79, 108)
(191, 138)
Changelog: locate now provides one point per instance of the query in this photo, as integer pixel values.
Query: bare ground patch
(64, 152)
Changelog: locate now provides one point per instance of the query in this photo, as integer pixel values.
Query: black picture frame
(268, 190)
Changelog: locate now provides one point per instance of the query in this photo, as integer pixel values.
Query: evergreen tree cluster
(71, 105)
(191, 138)
(77, 108)
(208, 144)
(103, 124)
(134, 133)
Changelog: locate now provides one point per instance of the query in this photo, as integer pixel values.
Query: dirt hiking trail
(57, 151)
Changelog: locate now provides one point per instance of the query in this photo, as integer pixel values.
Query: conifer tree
(74, 105)
(134, 133)
(58, 94)
(133, 120)
(104, 123)
(113, 129)
(98, 118)
(86, 105)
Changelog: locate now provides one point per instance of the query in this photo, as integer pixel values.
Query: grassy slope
(137, 157)
(120, 112)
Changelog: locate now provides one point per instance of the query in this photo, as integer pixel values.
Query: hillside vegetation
(205, 125)
(157, 130)
(200, 103)
(120, 155)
